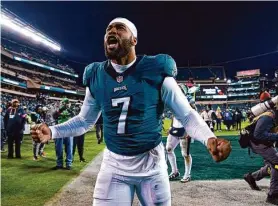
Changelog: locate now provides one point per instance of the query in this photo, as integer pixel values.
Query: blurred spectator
(208, 115)
(79, 140)
(14, 122)
(218, 119)
(238, 119)
(37, 118)
(64, 114)
(244, 115)
(212, 117)
(228, 118)
(3, 132)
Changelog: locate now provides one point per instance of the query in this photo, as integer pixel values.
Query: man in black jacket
(14, 122)
(263, 144)
(79, 140)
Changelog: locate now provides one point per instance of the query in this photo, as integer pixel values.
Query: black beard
(124, 48)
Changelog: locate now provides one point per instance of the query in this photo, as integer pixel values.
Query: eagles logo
(119, 79)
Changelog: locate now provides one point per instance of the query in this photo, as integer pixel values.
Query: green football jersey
(131, 102)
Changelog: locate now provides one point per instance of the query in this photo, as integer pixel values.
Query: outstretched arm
(194, 125)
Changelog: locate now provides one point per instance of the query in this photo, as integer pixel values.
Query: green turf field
(26, 182)
(29, 183)
(224, 132)
(204, 168)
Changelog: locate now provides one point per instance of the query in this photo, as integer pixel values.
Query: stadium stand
(216, 89)
(34, 73)
(34, 55)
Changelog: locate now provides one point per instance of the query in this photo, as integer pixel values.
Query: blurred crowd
(231, 117)
(19, 113)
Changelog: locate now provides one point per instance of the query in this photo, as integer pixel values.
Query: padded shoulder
(89, 72)
(168, 64)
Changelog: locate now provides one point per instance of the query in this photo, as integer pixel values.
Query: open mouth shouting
(112, 43)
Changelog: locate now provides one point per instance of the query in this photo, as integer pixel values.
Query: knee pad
(169, 149)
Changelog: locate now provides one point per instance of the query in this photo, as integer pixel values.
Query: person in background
(28, 115)
(233, 118)
(244, 115)
(212, 117)
(3, 131)
(99, 129)
(178, 135)
(228, 119)
(64, 114)
(262, 143)
(218, 119)
(209, 116)
(37, 118)
(79, 140)
(205, 116)
(14, 123)
(238, 119)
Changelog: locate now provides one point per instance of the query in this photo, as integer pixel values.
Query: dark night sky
(195, 31)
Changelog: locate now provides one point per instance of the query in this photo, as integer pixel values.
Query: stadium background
(35, 69)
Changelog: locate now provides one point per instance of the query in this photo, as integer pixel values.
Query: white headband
(126, 22)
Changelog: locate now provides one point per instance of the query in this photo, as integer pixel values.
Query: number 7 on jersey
(123, 116)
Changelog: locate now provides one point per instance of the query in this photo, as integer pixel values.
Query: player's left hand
(219, 148)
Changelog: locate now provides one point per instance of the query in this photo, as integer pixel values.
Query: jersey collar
(119, 77)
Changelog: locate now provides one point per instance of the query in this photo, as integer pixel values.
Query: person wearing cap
(264, 96)
(64, 113)
(130, 91)
(262, 143)
(14, 122)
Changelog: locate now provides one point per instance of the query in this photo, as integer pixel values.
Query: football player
(130, 91)
(178, 135)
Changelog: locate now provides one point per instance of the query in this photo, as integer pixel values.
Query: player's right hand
(40, 133)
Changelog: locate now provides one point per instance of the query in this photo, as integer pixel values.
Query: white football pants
(121, 176)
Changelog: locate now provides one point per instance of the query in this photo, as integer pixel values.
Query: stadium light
(6, 21)
(229, 81)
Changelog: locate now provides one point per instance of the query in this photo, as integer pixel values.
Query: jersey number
(122, 119)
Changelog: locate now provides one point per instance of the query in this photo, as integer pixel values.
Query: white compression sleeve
(194, 125)
(81, 123)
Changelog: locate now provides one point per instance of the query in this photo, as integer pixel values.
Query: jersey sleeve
(194, 125)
